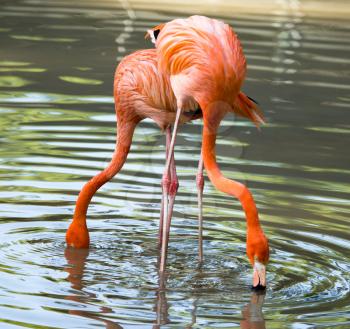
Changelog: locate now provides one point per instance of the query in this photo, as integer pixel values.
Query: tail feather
(247, 107)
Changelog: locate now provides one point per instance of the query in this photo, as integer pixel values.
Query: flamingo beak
(150, 34)
(259, 276)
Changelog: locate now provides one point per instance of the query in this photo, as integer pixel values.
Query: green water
(57, 123)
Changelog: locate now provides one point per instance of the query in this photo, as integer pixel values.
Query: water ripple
(58, 130)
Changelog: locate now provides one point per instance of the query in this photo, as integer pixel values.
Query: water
(57, 60)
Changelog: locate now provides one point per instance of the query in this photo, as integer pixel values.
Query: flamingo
(206, 65)
(196, 71)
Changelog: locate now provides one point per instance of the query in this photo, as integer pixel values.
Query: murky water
(57, 61)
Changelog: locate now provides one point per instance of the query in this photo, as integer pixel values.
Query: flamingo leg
(200, 186)
(164, 186)
(174, 185)
(166, 190)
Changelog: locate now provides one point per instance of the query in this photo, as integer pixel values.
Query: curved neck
(124, 138)
(236, 189)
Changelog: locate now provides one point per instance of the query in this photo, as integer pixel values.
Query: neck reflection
(76, 260)
(253, 317)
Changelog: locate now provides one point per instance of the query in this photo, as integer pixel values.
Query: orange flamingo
(206, 65)
(196, 71)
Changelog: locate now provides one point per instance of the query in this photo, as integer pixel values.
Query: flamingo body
(203, 58)
(140, 90)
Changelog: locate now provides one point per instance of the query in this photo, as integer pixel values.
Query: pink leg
(165, 186)
(171, 184)
(174, 185)
(200, 186)
(166, 191)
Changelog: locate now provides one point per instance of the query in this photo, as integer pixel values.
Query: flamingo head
(77, 236)
(153, 33)
(258, 254)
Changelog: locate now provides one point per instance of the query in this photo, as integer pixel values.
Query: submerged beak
(259, 276)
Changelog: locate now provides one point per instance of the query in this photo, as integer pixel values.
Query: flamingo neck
(90, 188)
(223, 184)
(85, 196)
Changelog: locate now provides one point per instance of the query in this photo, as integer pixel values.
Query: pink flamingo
(196, 71)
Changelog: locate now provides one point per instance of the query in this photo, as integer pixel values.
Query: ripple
(80, 80)
(305, 287)
(13, 82)
(55, 138)
(41, 38)
(30, 97)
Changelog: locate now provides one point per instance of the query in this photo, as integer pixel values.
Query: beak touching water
(259, 276)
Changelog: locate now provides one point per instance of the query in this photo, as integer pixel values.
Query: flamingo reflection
(253, 317)
(161, 306)
(76, 259)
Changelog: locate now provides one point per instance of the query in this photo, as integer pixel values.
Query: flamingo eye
(156, 33)
(153, 34)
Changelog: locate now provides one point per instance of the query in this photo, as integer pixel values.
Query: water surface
(57, 60)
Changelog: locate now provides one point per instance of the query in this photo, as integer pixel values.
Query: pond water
(57, 60)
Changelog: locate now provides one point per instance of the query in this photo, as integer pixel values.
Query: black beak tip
(253, 100)
(259, 287)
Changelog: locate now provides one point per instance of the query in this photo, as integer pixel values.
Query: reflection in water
(57, 60)
(161, 306)
(76, 259)
(252, 312)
